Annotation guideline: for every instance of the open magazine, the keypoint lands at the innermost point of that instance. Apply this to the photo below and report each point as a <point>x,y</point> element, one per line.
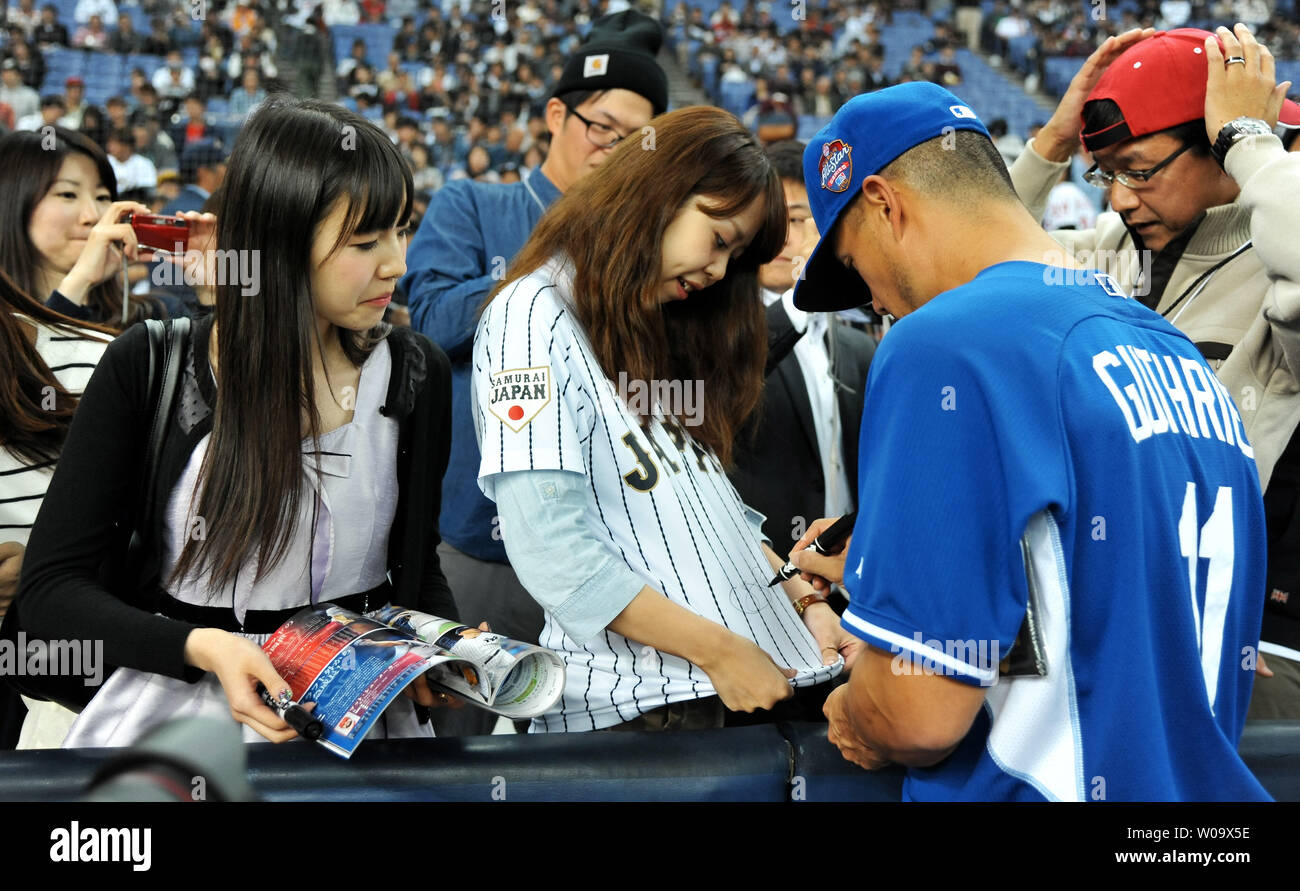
<point>353,665</point>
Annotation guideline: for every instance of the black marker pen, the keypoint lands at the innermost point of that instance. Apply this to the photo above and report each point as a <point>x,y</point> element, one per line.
<point>829,542</point>
<point>294,715</point>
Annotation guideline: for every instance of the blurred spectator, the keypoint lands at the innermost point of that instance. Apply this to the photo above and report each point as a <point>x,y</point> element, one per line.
<point>241,18</point>
<point>174,80</point>
<point>94,125</point>
<point>26,16</point>
<point>425,176</point>
<point>152,143</point>
<point>50,32</point>
<point>874,77</point>
<point>191,124</point>
<point>51,110</point>
<point>250,52</point>
<point>914,68</point>
<point>158,41</point>
<point>249,95</point>
<point>947,72</point>
<point>135,174</point>
<point>478,166</point>
<point>340,12</point>
<point>168,188</point>
<point>87,9</point>
<point>1069,207</point>
<point>92,35</point>
<point>211,78</point>
<point>1012,25</point>
<point>363,84</point>
<point>774,120</point>
<point>443,150</point>
<point>824,101</point>
<point>74,97</point>
<point>21,98</point>
<point>202,170</point>
<point>724,22</point>
<point>138,81</point>
<point>118,114</point>
<point>31,64</point>
<point>125,39</point>
<point>356,56</point>
<point>1008,144</point>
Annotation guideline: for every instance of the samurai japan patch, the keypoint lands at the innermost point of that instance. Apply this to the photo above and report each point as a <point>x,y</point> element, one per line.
<point>518,394</point>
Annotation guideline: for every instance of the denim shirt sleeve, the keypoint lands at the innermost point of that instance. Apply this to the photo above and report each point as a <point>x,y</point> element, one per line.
<point>557,557</point>
<point>450,272</point>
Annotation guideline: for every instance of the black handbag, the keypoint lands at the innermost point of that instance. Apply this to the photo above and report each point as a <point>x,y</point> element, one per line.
<point>125,566</point>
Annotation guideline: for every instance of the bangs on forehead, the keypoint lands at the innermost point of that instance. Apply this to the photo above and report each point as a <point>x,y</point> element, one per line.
<point>735,193</point>
<point>378,193</point>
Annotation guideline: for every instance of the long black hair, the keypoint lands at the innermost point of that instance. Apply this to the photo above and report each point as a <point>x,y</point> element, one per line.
<point>293,161</point>
<point>29,163</point>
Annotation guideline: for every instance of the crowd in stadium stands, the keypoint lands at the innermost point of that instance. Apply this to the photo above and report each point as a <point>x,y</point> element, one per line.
<point>461,90</point>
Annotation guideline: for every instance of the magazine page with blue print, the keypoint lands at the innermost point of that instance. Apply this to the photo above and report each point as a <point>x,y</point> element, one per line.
<point>351,666</point>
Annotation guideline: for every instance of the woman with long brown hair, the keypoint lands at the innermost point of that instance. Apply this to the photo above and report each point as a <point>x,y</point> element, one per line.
<point>612,370</point>
<point>45,362</point>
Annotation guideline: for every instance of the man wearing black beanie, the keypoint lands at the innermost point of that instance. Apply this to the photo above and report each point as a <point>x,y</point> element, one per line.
<point>608,91</point>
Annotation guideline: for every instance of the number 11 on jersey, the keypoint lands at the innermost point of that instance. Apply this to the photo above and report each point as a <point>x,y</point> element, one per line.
<point>1214,542</point>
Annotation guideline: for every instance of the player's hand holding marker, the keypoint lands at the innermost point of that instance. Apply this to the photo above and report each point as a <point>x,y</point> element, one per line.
<point>821,570</point>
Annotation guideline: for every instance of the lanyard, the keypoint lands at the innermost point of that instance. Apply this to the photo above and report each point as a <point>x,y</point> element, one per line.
<point>1195,288</point>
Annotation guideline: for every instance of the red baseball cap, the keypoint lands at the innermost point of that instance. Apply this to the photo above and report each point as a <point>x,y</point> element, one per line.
<point>1289,117</point>
<point>1157,83</point>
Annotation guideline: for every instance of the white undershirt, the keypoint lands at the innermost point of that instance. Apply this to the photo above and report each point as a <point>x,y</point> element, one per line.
<point>815,364</point>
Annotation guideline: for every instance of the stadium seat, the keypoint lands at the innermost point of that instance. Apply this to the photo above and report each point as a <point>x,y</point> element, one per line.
<point>736,97</point>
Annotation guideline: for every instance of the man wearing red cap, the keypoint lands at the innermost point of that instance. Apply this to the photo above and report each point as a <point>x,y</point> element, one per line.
<point>1202,230</point>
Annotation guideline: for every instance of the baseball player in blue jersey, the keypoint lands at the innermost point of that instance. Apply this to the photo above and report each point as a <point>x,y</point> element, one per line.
<point>1058,557</point>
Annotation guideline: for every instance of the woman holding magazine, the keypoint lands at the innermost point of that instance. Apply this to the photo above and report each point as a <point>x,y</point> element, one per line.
<point>304,453</point>
<point>615,508</point>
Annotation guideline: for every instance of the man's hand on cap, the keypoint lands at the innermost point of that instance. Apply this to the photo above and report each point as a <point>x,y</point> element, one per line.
<point>1059,138</point>
<point>1246,89</point>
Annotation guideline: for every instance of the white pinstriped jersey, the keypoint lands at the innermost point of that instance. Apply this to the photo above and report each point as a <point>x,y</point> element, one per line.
<point>656,498</point>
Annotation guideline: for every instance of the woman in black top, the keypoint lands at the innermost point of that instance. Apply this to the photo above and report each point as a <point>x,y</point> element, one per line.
<point>303,460</point>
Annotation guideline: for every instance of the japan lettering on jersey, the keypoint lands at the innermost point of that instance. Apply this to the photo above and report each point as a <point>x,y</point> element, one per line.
<point>657,499</point>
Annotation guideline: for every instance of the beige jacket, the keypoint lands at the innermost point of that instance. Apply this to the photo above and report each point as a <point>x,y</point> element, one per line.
<point>1251,303</point>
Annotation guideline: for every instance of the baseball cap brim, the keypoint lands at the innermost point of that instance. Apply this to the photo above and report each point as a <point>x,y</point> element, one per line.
<point>827,285</point>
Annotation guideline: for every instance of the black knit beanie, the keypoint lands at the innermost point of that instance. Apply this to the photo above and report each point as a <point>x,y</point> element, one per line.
<point>619,54</point>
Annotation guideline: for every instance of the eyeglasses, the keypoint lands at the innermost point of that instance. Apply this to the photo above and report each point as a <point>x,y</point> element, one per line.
<point>1129,179</point>
<point>598,134</point>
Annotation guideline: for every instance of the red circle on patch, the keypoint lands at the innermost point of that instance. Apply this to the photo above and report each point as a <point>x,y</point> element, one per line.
<point>515,413</point>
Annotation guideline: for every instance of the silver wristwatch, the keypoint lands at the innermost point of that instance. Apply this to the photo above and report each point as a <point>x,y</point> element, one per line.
<point>1234,131</point>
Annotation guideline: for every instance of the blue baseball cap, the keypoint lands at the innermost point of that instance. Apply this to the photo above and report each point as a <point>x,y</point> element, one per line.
<point>868,132</point>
